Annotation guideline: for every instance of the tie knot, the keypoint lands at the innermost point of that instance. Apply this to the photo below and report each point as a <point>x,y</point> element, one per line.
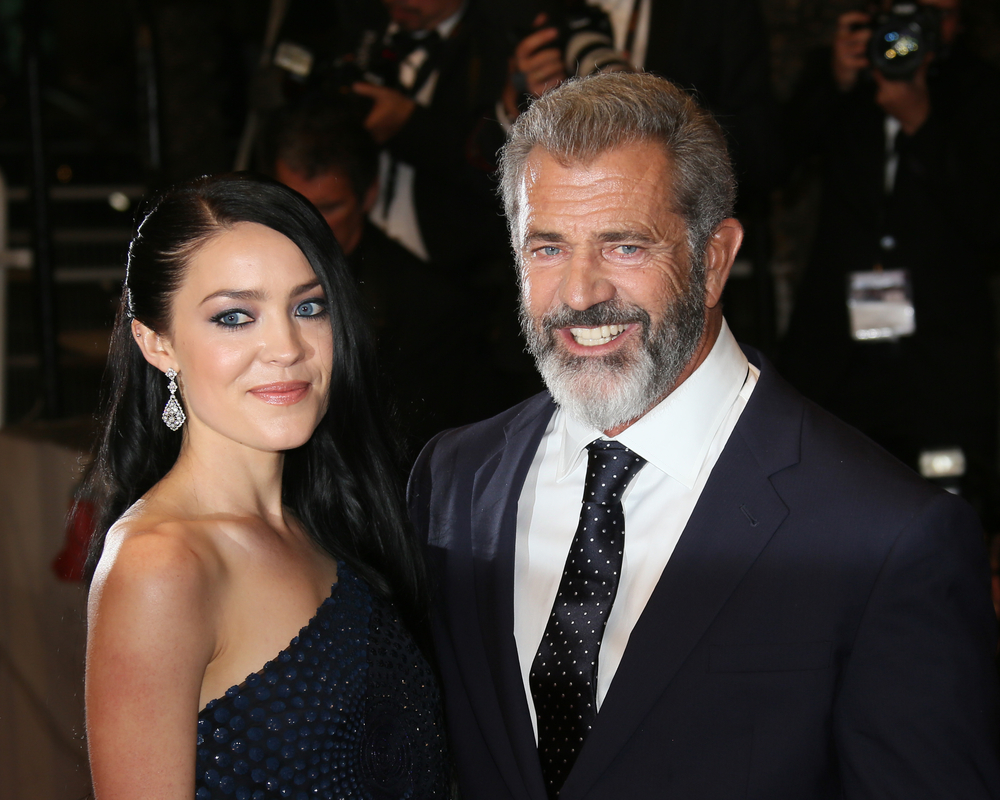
<point>610,466</point>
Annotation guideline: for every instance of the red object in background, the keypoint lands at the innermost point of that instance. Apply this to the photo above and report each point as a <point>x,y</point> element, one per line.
<point>68,565</point>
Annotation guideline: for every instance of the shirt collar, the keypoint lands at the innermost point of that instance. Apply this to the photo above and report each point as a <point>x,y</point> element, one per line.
<point>676,434</point>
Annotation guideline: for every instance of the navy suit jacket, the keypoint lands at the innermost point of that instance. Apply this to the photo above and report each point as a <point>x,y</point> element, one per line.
<point>823,628</point>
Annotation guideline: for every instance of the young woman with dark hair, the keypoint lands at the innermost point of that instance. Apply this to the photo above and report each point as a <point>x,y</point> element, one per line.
<point>242,470</point>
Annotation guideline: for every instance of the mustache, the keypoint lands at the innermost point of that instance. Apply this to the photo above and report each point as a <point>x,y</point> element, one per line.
<point>609,312</point>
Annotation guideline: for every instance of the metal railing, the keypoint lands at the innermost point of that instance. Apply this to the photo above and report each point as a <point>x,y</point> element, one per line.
<point>21,258</point>
<point>18,258</point>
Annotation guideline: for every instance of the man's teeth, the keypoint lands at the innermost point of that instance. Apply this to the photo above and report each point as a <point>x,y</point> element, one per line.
<point>591,337</point>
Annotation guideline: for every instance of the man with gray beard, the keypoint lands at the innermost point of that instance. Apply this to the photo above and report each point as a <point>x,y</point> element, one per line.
<point>790,613</point>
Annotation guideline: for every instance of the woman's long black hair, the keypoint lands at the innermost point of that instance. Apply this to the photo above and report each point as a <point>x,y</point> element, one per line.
<point>344,484</point>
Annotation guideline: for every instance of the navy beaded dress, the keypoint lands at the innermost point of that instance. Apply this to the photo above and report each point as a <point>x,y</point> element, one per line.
<point>350,709</point>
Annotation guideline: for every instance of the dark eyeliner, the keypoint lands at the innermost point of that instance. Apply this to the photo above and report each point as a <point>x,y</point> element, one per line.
<point>320,301</point>
<point>218,318</point>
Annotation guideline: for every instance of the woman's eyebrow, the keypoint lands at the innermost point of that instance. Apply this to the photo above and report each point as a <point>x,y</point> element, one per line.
<point>237,294</point>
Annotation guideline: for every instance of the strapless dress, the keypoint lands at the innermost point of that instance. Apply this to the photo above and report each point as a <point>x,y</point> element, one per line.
<point>349,709</point>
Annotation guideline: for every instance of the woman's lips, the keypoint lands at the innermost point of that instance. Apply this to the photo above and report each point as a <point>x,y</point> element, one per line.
<point>281,394</point>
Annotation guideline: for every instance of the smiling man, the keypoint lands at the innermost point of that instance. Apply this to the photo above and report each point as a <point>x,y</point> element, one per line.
<point>612,311</point>
<point>670,575</point>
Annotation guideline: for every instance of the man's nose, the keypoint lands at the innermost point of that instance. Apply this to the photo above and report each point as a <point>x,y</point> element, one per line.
<point>586,281</point>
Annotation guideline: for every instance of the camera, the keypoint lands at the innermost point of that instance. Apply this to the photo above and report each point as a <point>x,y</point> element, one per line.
<point>587,41</point>
<point>903,38</point>
<point>373,62</point>
<point>585,37</point>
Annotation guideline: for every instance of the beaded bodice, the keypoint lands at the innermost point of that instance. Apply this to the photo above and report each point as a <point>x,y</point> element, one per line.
<point>349,709</point>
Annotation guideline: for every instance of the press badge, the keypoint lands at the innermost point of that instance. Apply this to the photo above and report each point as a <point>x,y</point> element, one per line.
<point>880,305</point>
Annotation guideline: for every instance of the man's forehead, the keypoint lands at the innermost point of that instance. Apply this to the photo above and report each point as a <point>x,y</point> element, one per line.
<point>616,182</point>
<point>629,160</point>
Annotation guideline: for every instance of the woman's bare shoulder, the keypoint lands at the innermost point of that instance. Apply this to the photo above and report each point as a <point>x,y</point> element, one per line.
<point>159,573</point>
<point>158,552</point>
<point>153,631</point>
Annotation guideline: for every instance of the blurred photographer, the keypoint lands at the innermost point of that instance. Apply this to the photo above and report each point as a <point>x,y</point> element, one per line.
<point>569,38</point>
<point>902,93</point>
<point>892,326</point>
<point>716,49</point>
<point>423,75</point>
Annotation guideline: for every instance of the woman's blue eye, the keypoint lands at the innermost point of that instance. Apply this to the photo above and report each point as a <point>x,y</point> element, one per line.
<point>310,308</point>
<point>232,319</point>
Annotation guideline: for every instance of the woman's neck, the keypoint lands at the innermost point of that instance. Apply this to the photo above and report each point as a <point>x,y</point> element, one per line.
<point>214,475</point>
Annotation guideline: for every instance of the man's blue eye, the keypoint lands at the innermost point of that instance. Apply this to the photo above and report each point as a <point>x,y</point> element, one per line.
<point>628,249</point>
<point>550,250</point>
<point>310,308</point>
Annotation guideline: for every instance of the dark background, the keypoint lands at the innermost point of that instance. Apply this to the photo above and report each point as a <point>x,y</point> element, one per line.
<point>105,131</point>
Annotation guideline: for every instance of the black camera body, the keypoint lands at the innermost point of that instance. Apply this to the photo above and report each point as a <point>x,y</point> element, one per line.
<point>903,38</point>
<point>587,41</point>
<point>585,37</point>
<point>334,78</point>
<point>373,63</point>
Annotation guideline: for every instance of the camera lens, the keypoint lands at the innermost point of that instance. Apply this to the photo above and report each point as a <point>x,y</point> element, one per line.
<point>903,39</point>
<point>898,50</point>
<point>588,52</point>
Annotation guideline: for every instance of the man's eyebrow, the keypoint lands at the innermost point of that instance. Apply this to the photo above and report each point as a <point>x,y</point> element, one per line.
<point>256,294</point>
<point>543,236</point>
<point>643,237</point>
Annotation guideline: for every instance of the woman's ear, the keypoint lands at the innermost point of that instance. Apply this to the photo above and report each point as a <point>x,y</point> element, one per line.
<point>155,347</point>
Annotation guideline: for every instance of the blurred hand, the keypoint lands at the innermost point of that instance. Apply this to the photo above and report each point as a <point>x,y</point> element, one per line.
<point>535,66</point>
<point>908,101</point>
<point>850,44</point>
<point>390,113</point>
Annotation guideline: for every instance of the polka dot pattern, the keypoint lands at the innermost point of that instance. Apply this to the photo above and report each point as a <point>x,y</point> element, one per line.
<point>349,709</point>
<point>563,677</point>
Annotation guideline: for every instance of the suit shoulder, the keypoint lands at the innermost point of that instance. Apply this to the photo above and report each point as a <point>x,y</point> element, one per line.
<point>842,450</point>
<point>475,441</point>
<point>453,456</point>
<point>802,444</point>
<point>843,494</point>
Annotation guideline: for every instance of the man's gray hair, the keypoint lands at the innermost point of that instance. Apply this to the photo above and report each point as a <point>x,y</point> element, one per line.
<point>583,118</point>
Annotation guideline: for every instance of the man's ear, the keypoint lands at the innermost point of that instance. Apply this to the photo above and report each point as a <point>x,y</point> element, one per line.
<point>723,245</point>
<point>156,348</point>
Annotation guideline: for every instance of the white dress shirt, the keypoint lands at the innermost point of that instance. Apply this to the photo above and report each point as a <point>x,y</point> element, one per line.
<point>681,440</point>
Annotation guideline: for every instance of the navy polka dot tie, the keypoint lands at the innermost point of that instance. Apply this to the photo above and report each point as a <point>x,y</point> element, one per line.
<point>563,677</point>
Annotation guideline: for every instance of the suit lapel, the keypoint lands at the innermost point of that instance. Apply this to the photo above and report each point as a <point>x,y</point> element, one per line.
<point>496,489</point>
<point>734,519</point>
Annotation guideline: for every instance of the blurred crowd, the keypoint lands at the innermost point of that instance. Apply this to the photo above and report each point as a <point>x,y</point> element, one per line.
<point>433,85</point>
<point>387,115</point>
<point>863,136</point>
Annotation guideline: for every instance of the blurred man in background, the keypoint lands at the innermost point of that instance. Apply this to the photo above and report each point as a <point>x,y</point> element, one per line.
<point>892,327</point>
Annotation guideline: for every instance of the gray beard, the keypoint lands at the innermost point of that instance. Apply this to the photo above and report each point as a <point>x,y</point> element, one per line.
<point>605,392</point>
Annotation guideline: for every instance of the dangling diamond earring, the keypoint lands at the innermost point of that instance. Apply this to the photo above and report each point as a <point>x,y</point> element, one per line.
<point>173,415</point>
